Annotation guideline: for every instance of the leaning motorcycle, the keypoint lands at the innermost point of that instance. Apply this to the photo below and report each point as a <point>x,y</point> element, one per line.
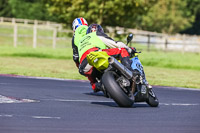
<point>117,81</point>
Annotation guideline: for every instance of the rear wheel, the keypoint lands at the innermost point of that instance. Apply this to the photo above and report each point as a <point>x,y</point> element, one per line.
<point>115,91</point>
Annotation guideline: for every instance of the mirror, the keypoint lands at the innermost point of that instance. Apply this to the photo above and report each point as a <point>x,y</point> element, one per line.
<point>129,38</point>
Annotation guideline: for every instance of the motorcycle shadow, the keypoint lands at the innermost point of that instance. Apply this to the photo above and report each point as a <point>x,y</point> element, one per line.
<point>112,103</point>
<point>95,94</point>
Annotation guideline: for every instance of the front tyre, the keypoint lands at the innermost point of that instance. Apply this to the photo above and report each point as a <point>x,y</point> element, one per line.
<point>152,99</point>
<point>115,91</point>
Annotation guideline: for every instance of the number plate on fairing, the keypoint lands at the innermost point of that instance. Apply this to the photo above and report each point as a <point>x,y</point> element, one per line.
<point>143,89</point>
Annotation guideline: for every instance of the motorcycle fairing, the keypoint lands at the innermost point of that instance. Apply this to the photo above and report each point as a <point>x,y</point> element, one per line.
<point>136,64</point>
<point>98,59</point>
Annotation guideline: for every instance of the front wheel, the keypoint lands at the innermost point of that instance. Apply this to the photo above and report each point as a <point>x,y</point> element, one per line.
<point>115,91</point>
<point>152,99</point>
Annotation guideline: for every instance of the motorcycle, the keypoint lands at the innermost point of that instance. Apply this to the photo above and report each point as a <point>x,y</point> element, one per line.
<point>117,81</point>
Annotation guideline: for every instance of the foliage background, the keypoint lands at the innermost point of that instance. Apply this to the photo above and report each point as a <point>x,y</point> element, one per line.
<point>166,16</point>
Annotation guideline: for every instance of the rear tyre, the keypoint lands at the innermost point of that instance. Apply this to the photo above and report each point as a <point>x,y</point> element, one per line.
<point>115,91</point>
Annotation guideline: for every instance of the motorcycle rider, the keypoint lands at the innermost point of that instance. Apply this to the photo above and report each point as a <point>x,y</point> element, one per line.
<point>96,40</point>
<point>76,23</point>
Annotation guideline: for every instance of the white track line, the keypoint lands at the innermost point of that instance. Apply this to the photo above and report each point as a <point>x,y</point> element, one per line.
<point>35,117</point>
<point>45,117</point>
<point>5,115</point>
<point>101,101</point>
<point>180,104</point>
<point>78,100</point>
<point>4,99</point>
<point>177,88</point>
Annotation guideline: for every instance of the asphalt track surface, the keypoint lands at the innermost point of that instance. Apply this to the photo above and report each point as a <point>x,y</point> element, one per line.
<point>29,105</point>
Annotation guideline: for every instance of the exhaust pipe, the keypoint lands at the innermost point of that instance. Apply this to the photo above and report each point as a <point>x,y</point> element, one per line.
<point>124,70</point>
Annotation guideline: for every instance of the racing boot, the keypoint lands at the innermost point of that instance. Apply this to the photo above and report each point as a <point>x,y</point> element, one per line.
<point>96,87</point>
<point>99,87</point>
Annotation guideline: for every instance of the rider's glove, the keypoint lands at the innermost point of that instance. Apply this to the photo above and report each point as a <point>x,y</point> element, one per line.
<point>131,51</point>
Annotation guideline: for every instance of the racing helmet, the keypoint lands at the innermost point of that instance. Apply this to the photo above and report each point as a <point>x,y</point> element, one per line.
<point>94,27</point>
<point>78,22</point>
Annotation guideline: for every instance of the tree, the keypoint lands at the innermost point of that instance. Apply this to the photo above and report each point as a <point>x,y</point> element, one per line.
<point>29,9</point>
<point>168,16</point>
<point>5,9</point>
<point>194,7</point>
<point>124,13</point>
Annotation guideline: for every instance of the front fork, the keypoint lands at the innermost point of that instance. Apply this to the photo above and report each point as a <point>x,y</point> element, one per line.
<point>141,95</point>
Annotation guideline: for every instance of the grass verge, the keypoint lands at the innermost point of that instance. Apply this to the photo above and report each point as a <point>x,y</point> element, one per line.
<point>167,69</point>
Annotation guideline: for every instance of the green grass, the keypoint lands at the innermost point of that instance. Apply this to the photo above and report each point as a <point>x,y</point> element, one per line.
<point>171,60</point>
<point>6,29</point>
<point>189,61</point>
<point>167,69</point>
<point>47,52</point>
<point>41,67</point>
<point>173,77</point>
